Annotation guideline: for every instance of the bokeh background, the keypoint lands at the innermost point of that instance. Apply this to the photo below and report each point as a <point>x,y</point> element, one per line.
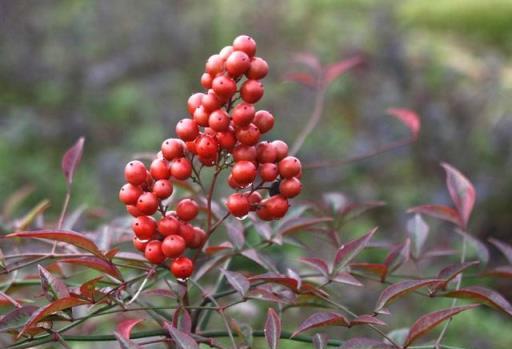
<point>119,73</point>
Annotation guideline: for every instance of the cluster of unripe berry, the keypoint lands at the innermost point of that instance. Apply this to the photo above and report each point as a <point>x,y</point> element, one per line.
<point>223,131</point>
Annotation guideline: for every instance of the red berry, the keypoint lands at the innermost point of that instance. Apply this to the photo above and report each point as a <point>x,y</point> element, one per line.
<point>224,86</point>
<point>211,102</point>
<point>169,225</point>
<point>232,183</point>
<point>181,168</point>
<point>244,152</point>
<point>225,52</point>
<point>147,203</point>
<point>281,149</point>
<point>268,172</point>
<point>277,205</point>
<point>258,69</point>
<point>208,161</point>
<point>199,238</point>
<point>206,146</point>
<point>187,209</point>
<point>238,204</point>
<point>135,172</point>
<point>289,167</point>
<point>182,267</point>
<point>251,91</point>
<point>191,147</point>
<point>243,114</point>
<point>206,80</point>
<point>246,44</point>
<point>249,135</point>
<point>144,227</point>
<point>254,198</point>
<point>214,65</point>
<point>134,211</point>
<point>219,120</point>
<point>265,152</point>
<point>187,129</point>
<point>263,120</point>
<point>173,246</point>
<point>194,101</point>
<point>201,116</point>
<point>187,233</point>
<point>237,63</point>
<point>129,194</point>
<point>162,188</point>
<point>290,188</point>
<point>153,252</point>
<point>139,244</point>
<point>263,211</point>
<point>243,172</point>
<point>226,139</point>
<point>159,169</point>
<point>172,148</point>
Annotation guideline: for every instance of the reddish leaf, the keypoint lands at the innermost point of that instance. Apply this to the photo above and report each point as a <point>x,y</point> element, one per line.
<point>438,211</point>
<point>239,282</point>
<point>317,263</point>
<point>483,295</point>
<point>294,275</point>
<point>235,230</point>
<point>346,278</point>
<point>276,278</point>
<point>462,192</point>
<point>504,271</point>
<point>365,343</point>
<point>71,159</point>
<point>400,289</point>
<point>321,319</point>
<point>182,340</point>
<point>88,288</point>
<point>16,318</point>
<point>367,320</point>
<point>95,263</point>
<point>68,236</point>
<point>333,71</point>
<point>210,250</point>
<point>181,320</point>
<point>53,287</point>
<point>266,295</point>
<point>124,328</point>
<point>374,268</point>
<point>350,250</point>
<point>429,321</point>
<point>10,300</point>
<point>408,118</point>
<point>450,272</point>
<point>504,248</point>
<point>58,305</point>
<point>112,253</point>
<point>272,328</point>
<point>398,256</point>
<point>418,233</point>
<point>300,224</point>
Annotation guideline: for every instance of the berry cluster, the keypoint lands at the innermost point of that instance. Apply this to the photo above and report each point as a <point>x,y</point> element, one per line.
<point>223,131</point>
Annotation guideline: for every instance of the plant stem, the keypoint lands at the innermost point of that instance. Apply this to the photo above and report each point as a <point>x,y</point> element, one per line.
<point>62,215</point>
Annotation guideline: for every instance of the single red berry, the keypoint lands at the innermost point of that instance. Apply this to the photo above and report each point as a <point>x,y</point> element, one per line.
<point>194,101</point>
<point>263,120</point>
<point>200,237</point>
<point>244,152</point>
<point>129,194</point>
<point>144,227</point>
<point>254,198</point>
<point>251,91</point>
<point>139,244</point>
<point>159,169</point>
<point>265,152</point>
<point>238,204</point>
<point>277,205</point>
<point>182,267</point>
<point>281,149</point>
<point>237,63</point>
<point>187,129</point>
<point>263,211</point>
<point>219,120</point>
<point>211,101</point>
<point>206,80</point>
<point>249,135</point>
<point>134,211</point>
<point>169,225</point>
<point>135,172</point>
<point>290,187</point>
<point>258,69</point>
<point>244,172</point>
<point>153,252</point>
<point>172,148</point>
<point>243,114</point>
<point>187,209</point>
<point>232,183</point>
<point>206,146</point>
<point>268,172</point>
<point>246,44</point>
<point>214,65</point>
<point>289,167</point>
<point>148,203</point>
<point>201,116</point>
<point>225,52</point>
<point>224,86</point>
<point>173,246</point>
<point>187,233</point>
<point>226,139</point>
<point>163,188</point>
<point>181,168</point>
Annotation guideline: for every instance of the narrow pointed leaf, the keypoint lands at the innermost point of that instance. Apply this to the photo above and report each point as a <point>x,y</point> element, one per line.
<point>182,340</point>
<point>95,263</point>
<point>483,295</point>
<point>182,320</point>
<point>276,278</point>
<point>350,250</point>
<point>239,282</point>
<point>429,321</point>
<point>401,289</point>
<point>504,248</point>
<point>124,328</point>
<point>450,272</point>
<point>374,268</point>
<point>53,287</point>
<point>398,256</point>
<point>438,211</point>
<point>317,263</point>
<point>409,118</point>
<point>333,71</point>
<point>88,288</point>
<point>343,277</point>
<point>68,236</point>
<point>71,159</point>
<point>461,190</point>
<point>367,320</point>
<point>322,319</point>
<point>16,318</point>
<point>272,329</point>
<point>211,250</point>
<point>418,232</point>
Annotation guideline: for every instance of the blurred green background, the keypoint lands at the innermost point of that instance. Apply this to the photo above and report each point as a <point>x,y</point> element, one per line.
<point>119,73</point>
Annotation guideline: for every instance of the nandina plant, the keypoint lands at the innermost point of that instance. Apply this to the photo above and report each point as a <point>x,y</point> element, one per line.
<point>200,257</point>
